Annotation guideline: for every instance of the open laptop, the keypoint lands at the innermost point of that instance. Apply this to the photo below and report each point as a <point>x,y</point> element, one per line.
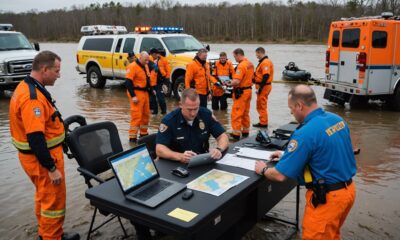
<point>139,179</point>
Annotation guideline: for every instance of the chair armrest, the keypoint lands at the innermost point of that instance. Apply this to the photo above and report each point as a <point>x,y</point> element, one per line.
<point>89,175</point>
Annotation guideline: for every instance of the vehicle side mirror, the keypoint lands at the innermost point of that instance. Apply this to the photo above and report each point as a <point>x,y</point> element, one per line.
<point>206,46</point>
<point>36,46</point>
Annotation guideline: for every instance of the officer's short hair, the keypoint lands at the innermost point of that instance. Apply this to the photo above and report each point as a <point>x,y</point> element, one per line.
<point>223,54</point>
<point>260,50</point>
<point>238,51</point>
<point>44,58</point>
<point>304,94</point>
<point>189,93</point>
<point>131,54</point>
<point>202,50</point>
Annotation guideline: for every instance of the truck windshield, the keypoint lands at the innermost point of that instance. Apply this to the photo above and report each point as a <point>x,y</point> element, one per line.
<point>13,41</point>
<point>182,44</point>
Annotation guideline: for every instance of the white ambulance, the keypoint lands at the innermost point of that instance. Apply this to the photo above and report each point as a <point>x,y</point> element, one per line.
<point>363,60</point>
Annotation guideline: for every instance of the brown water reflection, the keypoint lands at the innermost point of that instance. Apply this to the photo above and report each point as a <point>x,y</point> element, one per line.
<point>375,130</point>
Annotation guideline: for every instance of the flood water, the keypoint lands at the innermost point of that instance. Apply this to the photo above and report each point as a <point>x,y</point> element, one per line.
<point>376,130</point>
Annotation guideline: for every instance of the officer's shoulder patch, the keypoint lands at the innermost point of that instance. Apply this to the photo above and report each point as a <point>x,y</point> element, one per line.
<point>238,72</point>
<point>163,127</point>
<point>37,112</point>
<point>266,68</point>
<point>292,146</point>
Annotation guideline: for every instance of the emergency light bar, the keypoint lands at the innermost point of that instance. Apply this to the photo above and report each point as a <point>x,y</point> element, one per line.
<point>103,29</point>
<point>158,29</point>
<point>6,26</point>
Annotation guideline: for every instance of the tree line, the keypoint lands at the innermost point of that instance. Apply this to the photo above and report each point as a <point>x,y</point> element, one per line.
<point>294,21</point>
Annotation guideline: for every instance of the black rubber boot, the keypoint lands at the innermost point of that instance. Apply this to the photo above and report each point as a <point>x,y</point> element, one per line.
<point>70,236</point>
<point>259,125</point>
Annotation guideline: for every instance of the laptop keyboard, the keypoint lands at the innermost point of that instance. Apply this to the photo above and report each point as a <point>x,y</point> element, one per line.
<point>152,190</point>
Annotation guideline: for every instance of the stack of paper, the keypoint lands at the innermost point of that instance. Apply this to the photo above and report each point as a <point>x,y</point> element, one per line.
<point>235,161</point>
<point>254,153</point>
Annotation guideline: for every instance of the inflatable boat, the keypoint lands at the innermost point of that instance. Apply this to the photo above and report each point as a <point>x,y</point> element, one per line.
<point>293,73</point>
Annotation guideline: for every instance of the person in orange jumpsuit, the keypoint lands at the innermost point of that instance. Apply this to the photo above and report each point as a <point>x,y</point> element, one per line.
<point>263,77</point>
<point>223,71</point>
<point>159,77</point>
<point>242,83</point>
<point>138,89</point>
<point>37,131</point>
<point>198,76</point>
<point>320,156</point>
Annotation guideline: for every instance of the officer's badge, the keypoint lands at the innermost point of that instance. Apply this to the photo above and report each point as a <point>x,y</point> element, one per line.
<point>292,146</point>
<point>37,112</point>
<point>202,125</point>
<point>163,127</point>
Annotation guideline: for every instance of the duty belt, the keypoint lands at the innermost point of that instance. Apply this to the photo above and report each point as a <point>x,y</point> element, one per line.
<point>140,88</point>
<point>245,88</point>
<point>335,186</point>
<point>258,83</point>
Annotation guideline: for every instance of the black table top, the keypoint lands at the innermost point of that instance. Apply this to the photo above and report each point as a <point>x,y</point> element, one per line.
<point>109,196</point>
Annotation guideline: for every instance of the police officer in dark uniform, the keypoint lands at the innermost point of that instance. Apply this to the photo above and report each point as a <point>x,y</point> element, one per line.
<point>319,156</point>
<point>185,132</point>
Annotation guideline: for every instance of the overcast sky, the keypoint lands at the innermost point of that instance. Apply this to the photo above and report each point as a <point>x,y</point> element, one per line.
<point>45,5</point>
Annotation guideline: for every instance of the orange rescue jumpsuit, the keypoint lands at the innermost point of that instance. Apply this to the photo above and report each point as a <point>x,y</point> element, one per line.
<point>240,115</point>
<point>225,69</point>
<point>265,66</point>
<point>164,69</point>
<point>156,77</point>
<point>324,222</point>
<point>198,77</point>
<point>140,111</point>
<point>34,114</point>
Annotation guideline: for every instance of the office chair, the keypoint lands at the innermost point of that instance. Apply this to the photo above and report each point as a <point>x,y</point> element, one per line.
<point>150,141</point>
<point>91,145</point>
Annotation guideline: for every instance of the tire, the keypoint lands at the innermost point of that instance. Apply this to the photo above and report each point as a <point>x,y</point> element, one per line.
<point>395,100</point>
<point>179,86</point>
<point>358,101</point>
<point>94,77</point>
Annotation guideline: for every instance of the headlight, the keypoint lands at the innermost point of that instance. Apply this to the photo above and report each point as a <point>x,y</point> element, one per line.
<point>2,68</point>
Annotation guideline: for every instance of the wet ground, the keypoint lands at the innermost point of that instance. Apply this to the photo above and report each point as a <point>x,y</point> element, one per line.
<point>376,130</point>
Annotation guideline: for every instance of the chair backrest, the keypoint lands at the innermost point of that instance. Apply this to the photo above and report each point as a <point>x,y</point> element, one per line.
<point>150,141</point>
<point>92,144</point>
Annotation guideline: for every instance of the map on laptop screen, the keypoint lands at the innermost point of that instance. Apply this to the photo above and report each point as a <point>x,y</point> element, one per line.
<point>134,168</point>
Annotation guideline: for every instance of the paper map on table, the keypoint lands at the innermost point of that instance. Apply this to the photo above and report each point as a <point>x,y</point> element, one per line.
<point>216,182</point>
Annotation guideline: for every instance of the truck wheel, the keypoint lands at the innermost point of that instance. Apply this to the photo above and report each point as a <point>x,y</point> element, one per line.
<point>395,100</point>
<point>94,77</point>
<point>179,86</point>
<point>358,101</point>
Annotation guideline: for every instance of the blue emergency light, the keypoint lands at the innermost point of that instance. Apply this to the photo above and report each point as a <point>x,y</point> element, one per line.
<point>167,29</point>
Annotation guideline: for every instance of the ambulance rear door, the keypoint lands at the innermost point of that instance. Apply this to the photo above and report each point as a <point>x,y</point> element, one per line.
<point>396,57</point>
<point>333,53</point>
<point>380,59</point>
<point>350,45</point>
